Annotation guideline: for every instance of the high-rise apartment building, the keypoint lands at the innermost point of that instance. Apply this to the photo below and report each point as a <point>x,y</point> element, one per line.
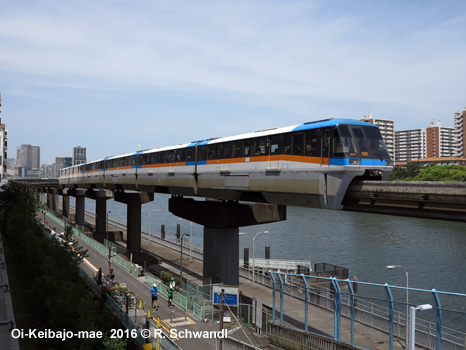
<point>28,156</point>
<point>410,145</point>
<point>439,140</point>
<point>60,163</point>
<point>432,142</point>
<point>79,155</point>
<point>459,135</point>
<point>387,129</point>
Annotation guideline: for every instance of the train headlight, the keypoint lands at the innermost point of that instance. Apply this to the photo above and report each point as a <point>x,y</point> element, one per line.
<point>354,162</point>
<point>389,162</point>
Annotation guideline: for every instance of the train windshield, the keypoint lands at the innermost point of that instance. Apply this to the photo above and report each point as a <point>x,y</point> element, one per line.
<point>375,142</point>
<point>358,141</point>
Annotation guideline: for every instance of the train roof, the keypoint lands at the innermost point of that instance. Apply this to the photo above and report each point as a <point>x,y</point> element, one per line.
<point>300,127</point>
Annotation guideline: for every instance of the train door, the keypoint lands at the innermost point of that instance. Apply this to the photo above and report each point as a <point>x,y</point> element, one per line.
<point>324,146</point>
<point>274,143</point>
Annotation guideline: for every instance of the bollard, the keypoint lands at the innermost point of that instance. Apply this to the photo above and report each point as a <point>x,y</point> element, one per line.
<point>162,231</point>
<point>246,258</point>
<point>267,252</point>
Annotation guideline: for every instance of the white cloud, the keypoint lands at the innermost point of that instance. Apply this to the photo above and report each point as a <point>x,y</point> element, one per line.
<point>293,59</point>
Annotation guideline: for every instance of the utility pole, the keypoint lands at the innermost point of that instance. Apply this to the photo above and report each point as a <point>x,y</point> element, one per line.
<point>222,295</point>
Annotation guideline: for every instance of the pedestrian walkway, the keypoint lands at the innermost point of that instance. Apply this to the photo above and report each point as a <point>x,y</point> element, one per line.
<point>320,320</point>
<point>7,316</point>
<point>175,317</point>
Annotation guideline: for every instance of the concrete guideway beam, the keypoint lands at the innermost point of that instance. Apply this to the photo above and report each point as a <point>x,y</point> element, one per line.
<point>134,201</point>
<point>219,215</point>
<point>221,221</point>
<point>101,198</point>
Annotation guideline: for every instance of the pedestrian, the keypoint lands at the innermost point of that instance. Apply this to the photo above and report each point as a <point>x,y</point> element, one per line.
<point>172,283</point>
<point>153,293</point>
<point>170,291</point>
<point>170,297</point>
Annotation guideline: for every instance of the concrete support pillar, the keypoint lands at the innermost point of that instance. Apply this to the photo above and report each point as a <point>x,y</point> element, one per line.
<point>52,200</point>
<point>134,203</point>
<point>100,219</point>
<point>65,205</point>
<point>221,221</point>
<point>221,259</point>
<point>80,209</point>
<point>101,197</point>
<point>80,196</point>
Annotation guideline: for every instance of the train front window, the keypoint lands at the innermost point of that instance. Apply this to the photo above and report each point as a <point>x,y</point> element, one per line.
<point>360,141</point>
<point>343,145</point>
<point>375,142</point>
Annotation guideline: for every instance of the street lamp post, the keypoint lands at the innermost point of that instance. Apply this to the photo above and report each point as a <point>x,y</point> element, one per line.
<point>190,239</point>
<point>412,323</point>
<point>253,261</point>
<point>391,267</point>
<point>150,212</point>
<point>181,256</point>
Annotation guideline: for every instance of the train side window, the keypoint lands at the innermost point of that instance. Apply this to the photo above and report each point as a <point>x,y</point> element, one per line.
<point>157,158</point>
<point>202,153</point>
<point>247,147</point>
<point>260,146</point>
<point>212,152</point>
<point>219,154</point>
<point>287,143</point>
<point>227,150</point>
<point>176,155</point>
<point>311,145</point>
<point>237,149</point>
<point>182,155</point>
<point>325,142</point>
<point>189,154</point>
<point>275,144</point>
<point>298,143</point>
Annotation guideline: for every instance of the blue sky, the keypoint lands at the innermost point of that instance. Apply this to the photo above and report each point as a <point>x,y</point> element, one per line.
<point>112,75</point>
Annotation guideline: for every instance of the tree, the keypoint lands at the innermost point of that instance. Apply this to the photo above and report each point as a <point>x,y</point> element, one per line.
<point>442,173</point>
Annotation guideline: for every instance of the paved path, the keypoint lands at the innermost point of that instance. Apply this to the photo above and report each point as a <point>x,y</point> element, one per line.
<point>320,320</point>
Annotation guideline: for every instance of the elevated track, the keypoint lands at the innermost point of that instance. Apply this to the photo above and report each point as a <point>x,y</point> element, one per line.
<point>427,199</point>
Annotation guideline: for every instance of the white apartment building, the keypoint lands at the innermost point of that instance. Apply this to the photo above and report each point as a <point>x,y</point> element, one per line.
<point>459,134</point>
<point>410,145</point>
<point>432,142</point>
<point>387,129</point>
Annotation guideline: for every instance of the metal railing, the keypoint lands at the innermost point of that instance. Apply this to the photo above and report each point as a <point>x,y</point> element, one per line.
<point>291,338</point>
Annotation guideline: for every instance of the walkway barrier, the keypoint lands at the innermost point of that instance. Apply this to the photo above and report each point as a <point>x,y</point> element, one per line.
<point>102,249</point>
<point>291,338</point>
<point>344,302</point>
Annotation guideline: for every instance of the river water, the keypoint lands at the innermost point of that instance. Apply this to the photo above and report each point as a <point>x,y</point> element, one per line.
<point>432,251</point>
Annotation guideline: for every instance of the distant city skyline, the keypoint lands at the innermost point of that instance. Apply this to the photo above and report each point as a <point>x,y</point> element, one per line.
<point>116,76</point>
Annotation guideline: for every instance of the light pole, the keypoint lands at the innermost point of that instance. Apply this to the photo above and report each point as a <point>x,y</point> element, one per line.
<point>181,256</point>
<point>391,267</point>
<point>108,212</point>
<point>150,212</point>
<point>412,323</point>
<point>190,239</point>
<point>253,240</point>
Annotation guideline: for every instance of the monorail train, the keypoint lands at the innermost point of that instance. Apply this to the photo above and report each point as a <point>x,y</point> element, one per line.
<point>310,165</point>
